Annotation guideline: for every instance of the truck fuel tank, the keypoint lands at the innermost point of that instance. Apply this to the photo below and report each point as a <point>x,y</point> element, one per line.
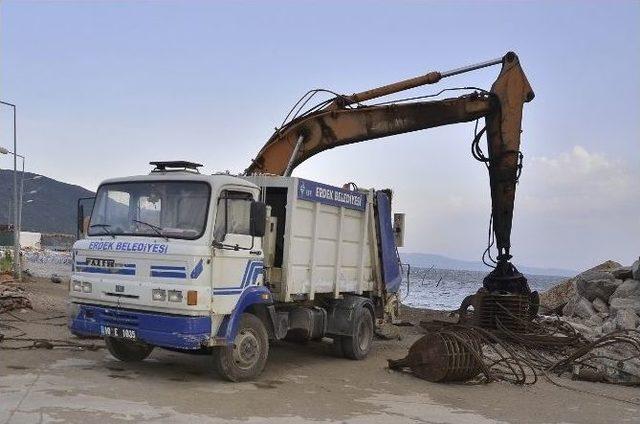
<point>306,323</point>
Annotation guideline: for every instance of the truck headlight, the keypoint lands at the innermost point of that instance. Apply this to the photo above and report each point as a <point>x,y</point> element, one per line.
<point>76,285</point>
<point>86,287</point>
<point>159,295</point>
<point>175,296</point>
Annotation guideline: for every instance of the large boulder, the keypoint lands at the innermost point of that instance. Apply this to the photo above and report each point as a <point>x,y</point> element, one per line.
<point>580,307</point>
<point>582,328</point>
<point>626,319</point>
<point>600,306</point>
<point>619,303</point>
<point>595,274</point>
<point>622,273</point>
<point>556,298</point>
<point>630,288</point>
<point>594,321</point>
<point>553,300</point>
<point>635,270</point>
<point>597,281</point>
<point>605,266</point>
<point>601,288</point>
<point>609,326</point>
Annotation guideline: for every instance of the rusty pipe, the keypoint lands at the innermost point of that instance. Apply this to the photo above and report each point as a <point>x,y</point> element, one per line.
<point>430,78</point>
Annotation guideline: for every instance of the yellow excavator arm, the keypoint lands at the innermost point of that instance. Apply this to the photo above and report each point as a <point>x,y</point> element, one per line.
<point>345,120</point>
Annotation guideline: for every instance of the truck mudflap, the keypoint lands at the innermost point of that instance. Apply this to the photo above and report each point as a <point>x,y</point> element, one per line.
<point>164,330</point>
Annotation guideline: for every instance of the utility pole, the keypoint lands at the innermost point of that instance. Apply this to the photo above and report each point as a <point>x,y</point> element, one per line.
<point>17,268</point>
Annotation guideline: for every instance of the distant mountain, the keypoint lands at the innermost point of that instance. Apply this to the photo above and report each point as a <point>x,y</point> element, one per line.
<point>426,260</point>
<point>53,204</point>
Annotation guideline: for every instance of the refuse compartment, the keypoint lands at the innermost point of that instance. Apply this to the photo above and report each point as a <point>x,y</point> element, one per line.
<point>323,239</point>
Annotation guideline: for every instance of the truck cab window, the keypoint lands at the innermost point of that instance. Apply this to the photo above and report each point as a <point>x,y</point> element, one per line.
<point>113,208</point>
<point>233,214</point>
<point>172,209</point>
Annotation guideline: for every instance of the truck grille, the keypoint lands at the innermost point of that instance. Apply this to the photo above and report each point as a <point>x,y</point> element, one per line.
<point>119,318</point>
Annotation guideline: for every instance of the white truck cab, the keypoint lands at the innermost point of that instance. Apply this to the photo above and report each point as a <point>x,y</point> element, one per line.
<point>190,262</point>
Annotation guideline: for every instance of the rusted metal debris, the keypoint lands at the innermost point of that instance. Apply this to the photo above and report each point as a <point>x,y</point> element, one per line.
<point>501,340</point>
<point>443,356</point>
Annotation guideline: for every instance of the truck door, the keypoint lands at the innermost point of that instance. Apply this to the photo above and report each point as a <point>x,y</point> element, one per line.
<point>237,256</point>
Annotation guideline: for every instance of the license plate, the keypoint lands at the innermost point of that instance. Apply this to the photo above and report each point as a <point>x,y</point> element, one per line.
<point>117,332</point>
<point>103,263</point>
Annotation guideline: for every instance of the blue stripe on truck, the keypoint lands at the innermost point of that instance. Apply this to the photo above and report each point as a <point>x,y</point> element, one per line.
<point>168,274</point>
<point>168,268</point>
<point>99,270</point>
<point>164,271</point>
<point>197,270</point>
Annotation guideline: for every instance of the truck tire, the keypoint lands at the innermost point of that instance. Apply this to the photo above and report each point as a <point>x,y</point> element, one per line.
<point>359,345</point>
<point>128,351</point>
<point>246,357</point>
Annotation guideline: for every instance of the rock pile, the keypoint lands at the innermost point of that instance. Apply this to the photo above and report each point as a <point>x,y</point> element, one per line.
<point>11,296</point>
<point>598,301</point>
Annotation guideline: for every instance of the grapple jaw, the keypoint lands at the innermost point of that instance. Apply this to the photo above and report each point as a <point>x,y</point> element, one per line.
<point>506,278</point>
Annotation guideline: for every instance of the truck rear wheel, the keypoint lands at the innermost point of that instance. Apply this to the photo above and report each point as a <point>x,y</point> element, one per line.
<point>128,351</point>
<point>359,345</point>
<point>246,357</point>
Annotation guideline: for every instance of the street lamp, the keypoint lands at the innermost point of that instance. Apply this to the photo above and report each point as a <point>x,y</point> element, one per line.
<point>17,270</point>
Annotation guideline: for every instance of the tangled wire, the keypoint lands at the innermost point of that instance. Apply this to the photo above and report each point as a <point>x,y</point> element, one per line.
<point>466,352</point>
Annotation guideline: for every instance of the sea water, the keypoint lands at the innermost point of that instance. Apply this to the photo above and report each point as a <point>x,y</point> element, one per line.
<point>444,289</point>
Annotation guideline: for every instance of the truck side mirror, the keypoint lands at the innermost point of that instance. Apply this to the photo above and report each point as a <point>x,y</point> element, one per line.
<point>258,218</point>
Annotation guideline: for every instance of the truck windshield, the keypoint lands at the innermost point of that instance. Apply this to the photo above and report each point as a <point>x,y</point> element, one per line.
<point>172,209</point>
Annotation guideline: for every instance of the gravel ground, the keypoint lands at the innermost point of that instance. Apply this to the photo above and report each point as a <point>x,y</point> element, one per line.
<point>301,384</point>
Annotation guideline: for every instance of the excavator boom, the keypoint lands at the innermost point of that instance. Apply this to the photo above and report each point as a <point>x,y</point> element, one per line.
<point>327,129</point>
<point>338,123</point>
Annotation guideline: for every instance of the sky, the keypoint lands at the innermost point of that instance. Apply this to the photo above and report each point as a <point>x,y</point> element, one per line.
<point>103,88</point>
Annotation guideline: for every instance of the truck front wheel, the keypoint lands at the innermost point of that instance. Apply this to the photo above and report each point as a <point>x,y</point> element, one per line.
<point>127,351</point>
<point>246,357</point>
<point>359,345</point>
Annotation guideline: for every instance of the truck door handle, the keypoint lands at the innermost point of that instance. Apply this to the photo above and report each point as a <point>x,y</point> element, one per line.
<point>255,252</point>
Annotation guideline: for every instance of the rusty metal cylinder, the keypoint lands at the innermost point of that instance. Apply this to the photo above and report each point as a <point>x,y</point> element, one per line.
<point>448,355</point>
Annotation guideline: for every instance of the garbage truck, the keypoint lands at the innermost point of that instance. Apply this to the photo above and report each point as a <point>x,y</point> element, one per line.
<point>226,264</point>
